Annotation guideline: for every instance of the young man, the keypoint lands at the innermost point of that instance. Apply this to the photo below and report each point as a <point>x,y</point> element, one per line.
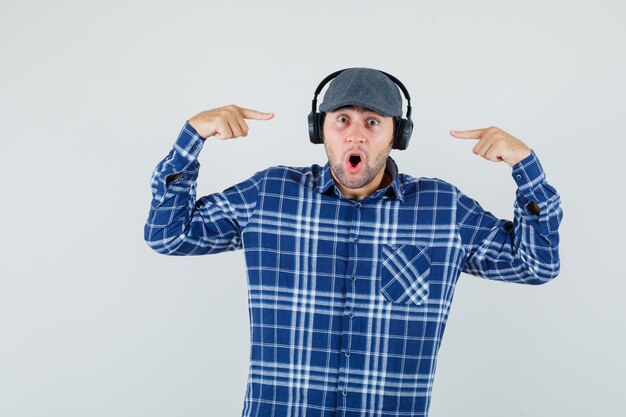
<point>351,265</point>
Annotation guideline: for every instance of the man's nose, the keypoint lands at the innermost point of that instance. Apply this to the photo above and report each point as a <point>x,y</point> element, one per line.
<point>356,133</point>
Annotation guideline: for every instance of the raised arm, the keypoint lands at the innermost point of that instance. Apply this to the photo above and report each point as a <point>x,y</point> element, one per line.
<point>177,224</point>
<point>525,250</point>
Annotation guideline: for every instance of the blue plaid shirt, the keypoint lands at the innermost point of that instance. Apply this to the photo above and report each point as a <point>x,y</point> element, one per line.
<point>348,300</point>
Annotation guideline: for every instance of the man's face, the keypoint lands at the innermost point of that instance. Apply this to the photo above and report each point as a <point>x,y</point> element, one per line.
<point>357,143</point>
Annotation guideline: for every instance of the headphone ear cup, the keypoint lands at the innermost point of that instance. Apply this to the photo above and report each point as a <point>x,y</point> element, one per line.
<point>313,128</point>
<point>319,119</point>
<point>403,134</point>
<point>316,129</point>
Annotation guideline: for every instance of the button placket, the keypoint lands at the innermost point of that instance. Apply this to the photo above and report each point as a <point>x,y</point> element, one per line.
<point>351,289</point>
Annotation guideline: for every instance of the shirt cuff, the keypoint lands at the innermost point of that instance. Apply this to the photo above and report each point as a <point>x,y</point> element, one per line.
<point>528,174</point>
<point>187,147</point>
<point>189,142</point>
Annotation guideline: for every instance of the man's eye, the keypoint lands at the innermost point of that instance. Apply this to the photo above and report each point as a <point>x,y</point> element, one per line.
<point>373,122</point>
<point>342,119</point>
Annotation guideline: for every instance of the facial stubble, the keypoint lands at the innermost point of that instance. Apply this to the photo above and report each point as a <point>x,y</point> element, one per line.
<point>368,173</point>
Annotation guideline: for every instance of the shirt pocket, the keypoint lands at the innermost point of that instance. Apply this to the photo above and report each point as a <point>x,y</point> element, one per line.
<point>404,273</point>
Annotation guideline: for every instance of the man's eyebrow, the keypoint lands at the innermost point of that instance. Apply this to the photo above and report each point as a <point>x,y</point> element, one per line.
<point>365,111</point>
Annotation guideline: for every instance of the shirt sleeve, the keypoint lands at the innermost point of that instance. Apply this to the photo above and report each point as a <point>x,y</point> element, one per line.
<point>177,224</point>
<point>525,250</point>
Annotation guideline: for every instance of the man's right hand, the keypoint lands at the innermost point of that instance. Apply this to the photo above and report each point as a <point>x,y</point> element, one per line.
<point>226,122</point>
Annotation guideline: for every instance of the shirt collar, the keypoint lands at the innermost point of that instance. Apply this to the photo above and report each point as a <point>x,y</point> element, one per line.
<point>326,182</point>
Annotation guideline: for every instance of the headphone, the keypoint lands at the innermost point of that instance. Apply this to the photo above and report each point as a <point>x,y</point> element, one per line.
<point>404,127</point>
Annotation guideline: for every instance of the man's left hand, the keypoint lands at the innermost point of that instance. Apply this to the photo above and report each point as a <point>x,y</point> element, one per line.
<point>495,144</point>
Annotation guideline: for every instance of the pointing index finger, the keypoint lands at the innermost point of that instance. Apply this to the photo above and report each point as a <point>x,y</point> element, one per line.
<point>468,134</point>
<point>256,115</point>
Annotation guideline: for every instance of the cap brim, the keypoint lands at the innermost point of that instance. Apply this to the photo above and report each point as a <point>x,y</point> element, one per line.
<point>347,103</point>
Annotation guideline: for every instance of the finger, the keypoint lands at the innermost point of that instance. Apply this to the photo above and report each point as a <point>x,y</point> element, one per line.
<point>483,150</point>
<point>482,145</point>
<point>223,132</point>
<point>494,153</point>
<point>255,115</point>
<point>468,134</point>
<point>234,127</point>
<point>243,126</point>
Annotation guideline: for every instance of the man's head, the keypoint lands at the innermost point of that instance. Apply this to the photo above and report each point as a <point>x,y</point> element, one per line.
<point>360,108</point>
<point>357,141</point>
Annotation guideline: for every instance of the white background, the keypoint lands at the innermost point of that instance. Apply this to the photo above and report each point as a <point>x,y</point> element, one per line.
<point>93,94</point>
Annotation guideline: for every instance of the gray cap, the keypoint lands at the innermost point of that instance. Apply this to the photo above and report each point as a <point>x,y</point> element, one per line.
<point>364,87</point>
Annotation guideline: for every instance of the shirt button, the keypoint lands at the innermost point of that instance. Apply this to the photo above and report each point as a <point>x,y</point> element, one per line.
<point>347,354</point>
<point>357,204</point>
<point>518,176</point>
<point>344,392</point>
<point>350,315</point>
<point>356,240</point>
<point>194,147</point>
<point>353,277</point>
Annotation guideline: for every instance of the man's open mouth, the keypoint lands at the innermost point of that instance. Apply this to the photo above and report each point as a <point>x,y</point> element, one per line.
<point>354,162</point>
